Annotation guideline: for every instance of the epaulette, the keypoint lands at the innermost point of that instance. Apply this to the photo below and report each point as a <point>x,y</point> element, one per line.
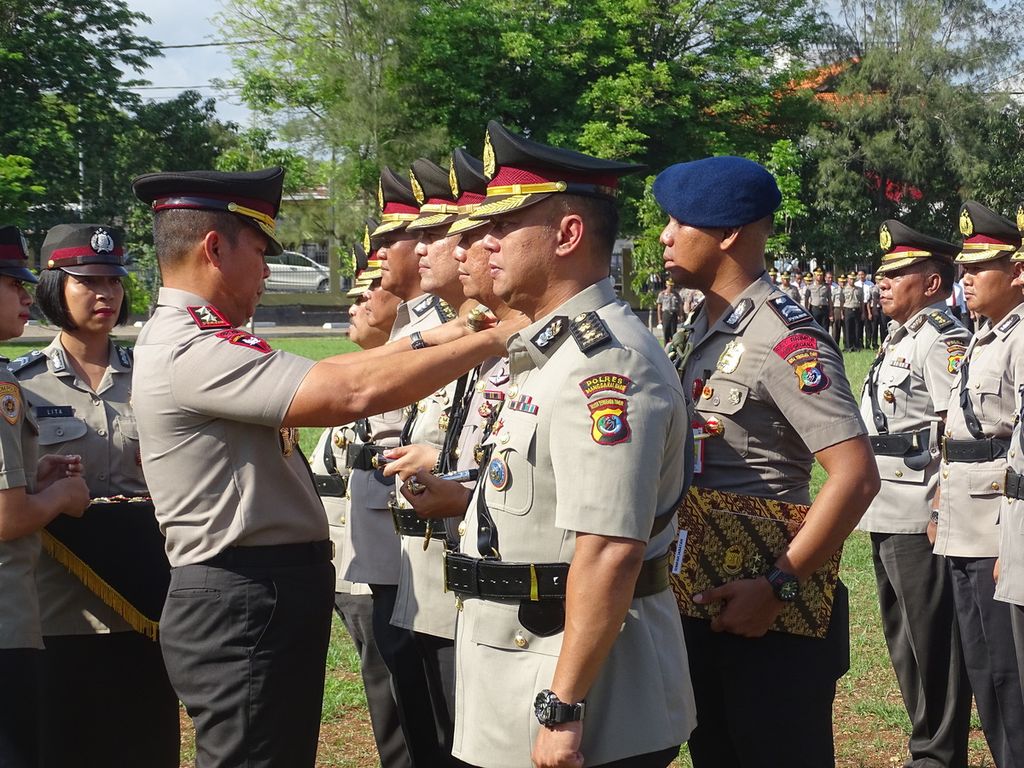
<point>589,330</point>
<point>25,361</point>
<point>125,354</point>
<point>791,313</point>
<point>207,316</point>
<point>445,311</point>
<point>940,320</point>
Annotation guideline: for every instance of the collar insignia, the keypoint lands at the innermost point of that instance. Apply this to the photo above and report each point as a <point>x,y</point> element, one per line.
<point>207,317</point>
<point>550,332</point>
<point>124,355</point>
<point>741,311</point>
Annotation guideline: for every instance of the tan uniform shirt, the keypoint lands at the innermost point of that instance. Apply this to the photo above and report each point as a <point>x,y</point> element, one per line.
<point>774,381</point>
<point>818,295</point>
<point>837,297</point>
<point>919,363</point>
<point>100,427</point>
<point>209,401</point>
<point>853,297</point>
<point>596,442</point>
<point>971,493</point>
<point>421,603</point>
<point>1010,587</point>
<point>793,292</point>
<point>19,606</point>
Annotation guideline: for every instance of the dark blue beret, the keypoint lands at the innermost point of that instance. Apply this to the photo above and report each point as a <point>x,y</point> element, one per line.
<point>720,191</point>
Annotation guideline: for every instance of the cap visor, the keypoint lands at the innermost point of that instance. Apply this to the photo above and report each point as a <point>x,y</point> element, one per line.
<point>434,220</point>
<point>388,226</point>
<point>975,257</point>
<point>502,204</point>
<point>19,273</point>
<point>465,224</point>
<point>95,270</point>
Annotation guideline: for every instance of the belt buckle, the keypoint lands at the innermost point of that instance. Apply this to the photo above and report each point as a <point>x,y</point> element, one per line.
<point>393,508</point>
<point>943,442</point>
<point>444,569</point>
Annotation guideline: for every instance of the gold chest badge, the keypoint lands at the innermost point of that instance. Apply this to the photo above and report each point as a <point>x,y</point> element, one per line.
<point>729,360</point>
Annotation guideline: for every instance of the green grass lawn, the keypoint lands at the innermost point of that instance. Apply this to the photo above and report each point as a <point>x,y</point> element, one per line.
<point>870,722</point>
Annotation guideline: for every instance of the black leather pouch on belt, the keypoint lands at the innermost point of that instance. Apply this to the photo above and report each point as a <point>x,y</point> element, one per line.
<point>330,485</point>
<point>360,455</point>
<point>1013,486</point>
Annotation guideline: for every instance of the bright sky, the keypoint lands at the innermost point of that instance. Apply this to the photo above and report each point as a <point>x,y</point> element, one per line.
<point>182,22</point>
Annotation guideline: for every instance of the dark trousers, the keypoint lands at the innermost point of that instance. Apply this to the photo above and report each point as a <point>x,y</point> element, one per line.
<point>820,315</point>
<point>990,658</point>
<point>19,707</point>
<point>1017,624</point>
<point>837,326</point>
<point>669,323</point>
<point>246,651</point>
<point>106,699</point>
<point>423,708</point>
<point>915,595</point>
<point>357,613</point>
<point>659,759</point>
<point>850,329</point>
<point>747,689</point>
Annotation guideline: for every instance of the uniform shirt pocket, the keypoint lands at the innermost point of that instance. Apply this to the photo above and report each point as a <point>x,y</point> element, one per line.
<point>497,625</point>
<point>985,481</point>
<point>131,455</point>
<point>63,429</point>
<point>986,393</point>
<point>509,481</point>
<point>893,392</point>
<point>727,399</point>
<point>892,469</point>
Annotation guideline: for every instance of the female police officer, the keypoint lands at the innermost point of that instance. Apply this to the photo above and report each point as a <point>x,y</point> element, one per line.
<point>30,497</point>
<point>105,690</point>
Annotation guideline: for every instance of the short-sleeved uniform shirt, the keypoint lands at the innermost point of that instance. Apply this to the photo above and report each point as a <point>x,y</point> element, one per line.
<point>793,292</point>
<point>818,295</point>
<point>670,302</point>
<point>919,361</point>
<point>773,380</point>
<point>1010,587</point>
<point>209,401</point>
<point>100,427</point>
<point>971,493</point>
<point>422,604</point>
<point>853,297</point>
<point>593,440</point>
<point>19,605</point>
<point>484,407</point>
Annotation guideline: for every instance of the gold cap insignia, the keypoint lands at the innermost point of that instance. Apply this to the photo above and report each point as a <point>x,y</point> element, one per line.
<point>417,190</point>
<point>966,225</point>
<point>453,180</point>
<point>380,195</point>
<point>885,238</point>
<point>1020,218</point>
<point>366,239</point>
<point>490,164</point>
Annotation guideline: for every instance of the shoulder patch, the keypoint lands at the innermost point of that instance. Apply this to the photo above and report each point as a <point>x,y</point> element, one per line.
<point>589,330</point>
<point>10,402</point>
<point>1007,325</point>
<point>243,339</point>
<point>609,424</point>
<point>940,320</point>
<point>918,322</point>
<point>742,310</point>
<point>207,316</point>
<point>125,355</point>
<point>550,332</point>
<point>423,306</point>
<point>25,361</point>
<point>605,382</point>
<point>791,313</point>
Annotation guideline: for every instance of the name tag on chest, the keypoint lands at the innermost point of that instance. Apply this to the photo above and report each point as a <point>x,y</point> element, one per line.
<point>54,411</point>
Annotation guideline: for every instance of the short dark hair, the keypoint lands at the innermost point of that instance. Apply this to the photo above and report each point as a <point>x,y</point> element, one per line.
<point>601,216</point>
<point>946,270</point>
<point>50,298</point>
<point>177,230</point>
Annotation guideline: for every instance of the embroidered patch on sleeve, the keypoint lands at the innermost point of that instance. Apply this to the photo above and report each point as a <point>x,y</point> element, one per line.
<point>10,402</point>
<point>242,339</point>
<point>811,377</point>
<point>955,351</point>
<point>605,382</point>
<point>609,423</point>
<point>801,352</point>
<point>794,343</point>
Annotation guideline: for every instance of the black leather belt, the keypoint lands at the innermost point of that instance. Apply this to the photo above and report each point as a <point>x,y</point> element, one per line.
<point>1013,487</point>
<point>495,579</point>
<point>900,443</point>
<point>274,555</point>
<point>330,485</point>
<point>408,523</point>
<point>969,451</point>
<point>361,455</point>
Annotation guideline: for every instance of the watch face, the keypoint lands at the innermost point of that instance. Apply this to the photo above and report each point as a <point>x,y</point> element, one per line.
<point>789,591</point>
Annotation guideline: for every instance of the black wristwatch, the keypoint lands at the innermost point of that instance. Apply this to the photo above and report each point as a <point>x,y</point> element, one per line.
<point>417,341</point>
<point>551,711</point>
<point>786,586</point>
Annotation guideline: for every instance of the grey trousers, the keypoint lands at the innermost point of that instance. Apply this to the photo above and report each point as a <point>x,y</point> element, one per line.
<point>357,613</point>
<point>915,595</point>
<point>990,658</point>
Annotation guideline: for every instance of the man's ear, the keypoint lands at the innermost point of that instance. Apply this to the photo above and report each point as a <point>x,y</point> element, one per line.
<point>570,234</point>
<point>212,248</point>
<point>729,237</point>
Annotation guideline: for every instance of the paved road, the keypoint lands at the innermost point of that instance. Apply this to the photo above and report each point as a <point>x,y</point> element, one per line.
<point>42,334</point>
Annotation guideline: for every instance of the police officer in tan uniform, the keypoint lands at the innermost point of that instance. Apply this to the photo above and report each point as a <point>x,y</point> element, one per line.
<point>1010,567</point>
<point>568,648</point>
<point>105,687</point>
<point>903,402</point>
<point>819,299</point>
<point>853,306</point>
<point>31,495</point>
<point>789,289</point>
<point>245,628</point>
<point>979,420</point>
<point>771,395</point>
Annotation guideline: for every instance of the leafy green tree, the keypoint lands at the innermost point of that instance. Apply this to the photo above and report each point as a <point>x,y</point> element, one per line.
<point>17,192</point>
